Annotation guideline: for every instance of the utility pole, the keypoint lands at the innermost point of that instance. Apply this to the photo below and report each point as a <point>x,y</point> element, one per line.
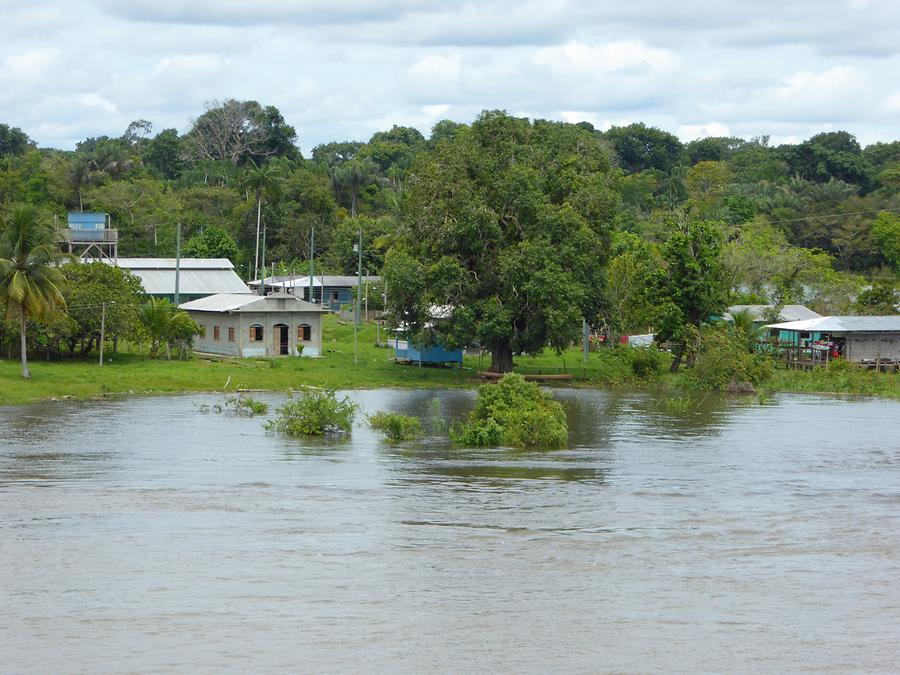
<point>262,278</point>
<point>586,345</point>
<point>177,261</point>
<point>102,332</point>
<point>358,300</point>
<point>367,297</point>
<point>312,255</point>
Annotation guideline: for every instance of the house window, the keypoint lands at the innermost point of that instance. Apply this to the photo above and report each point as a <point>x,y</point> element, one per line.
<point>215,332</point>
<point>304,332</point>
<point>231,333</point>
<point>256,333</point>
<point>335,296</point>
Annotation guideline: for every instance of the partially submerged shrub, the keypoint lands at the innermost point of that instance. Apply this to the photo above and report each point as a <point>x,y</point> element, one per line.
<point>246,406</point>
<point>514,413</point>
<point>313,413</point>
<point>395,426</point>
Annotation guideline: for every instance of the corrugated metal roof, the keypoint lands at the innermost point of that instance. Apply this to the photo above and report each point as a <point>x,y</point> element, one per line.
<point>843,324</point>
<point>242,302</point>
<point>788,312</point>
<point>303,282</point>
<point>169,264</point>
<point>205,281</point>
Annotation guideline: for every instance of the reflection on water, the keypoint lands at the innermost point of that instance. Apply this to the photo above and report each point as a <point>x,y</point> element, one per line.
<point>728,537</point>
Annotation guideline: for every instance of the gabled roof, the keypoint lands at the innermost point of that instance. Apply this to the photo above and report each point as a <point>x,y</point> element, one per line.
<point>197,276</point>
<point>788,312</point>
<point>247,302</point>
<point>843,324</point>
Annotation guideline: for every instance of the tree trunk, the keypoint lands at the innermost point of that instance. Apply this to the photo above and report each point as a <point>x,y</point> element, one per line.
<point>353,204</point>
<point>24,345</point>
<point>501,360</point>
<point>679,354</point>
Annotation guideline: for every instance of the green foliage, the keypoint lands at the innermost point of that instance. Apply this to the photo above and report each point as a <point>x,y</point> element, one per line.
<point>313,413</point>
<point>88,287</point>
<point>213,242</point>
<point>513,413</point>
<point>396,427</point>
<point>646,362</point>
<point>509,223</point>
<point>880,299</point>
<point>640,147</point>
<point>724,363</point>
<point>168,326</point>
<point>886,235</point>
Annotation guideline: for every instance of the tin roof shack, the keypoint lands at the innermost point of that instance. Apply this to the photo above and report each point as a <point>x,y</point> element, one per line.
<point>197,277</point>
<point>247,325</point>
<point>90,235</point>
<point>436,354</point>
<point>870,340</point>
<point>337,291</point>
<point>787,313</point>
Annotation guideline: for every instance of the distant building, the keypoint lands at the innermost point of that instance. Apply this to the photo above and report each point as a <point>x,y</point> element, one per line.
<point>197,277</point>
<point>856,338</point>
<point>248,325</point>
<point>337,291</point>
<point>787,313</point>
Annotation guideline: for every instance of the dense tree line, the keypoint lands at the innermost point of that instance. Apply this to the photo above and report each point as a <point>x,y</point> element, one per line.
<point>526,228</point>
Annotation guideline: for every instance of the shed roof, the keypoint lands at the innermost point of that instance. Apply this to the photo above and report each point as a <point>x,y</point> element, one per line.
<point>788,312</point>
<point>246,302</point>
<point>318,280</point>
<point>197,276</point>
<point>843,324</point>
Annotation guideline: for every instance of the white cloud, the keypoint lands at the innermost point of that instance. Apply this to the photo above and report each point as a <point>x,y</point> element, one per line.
<point>591,60</point>
<point>96,101</point>
<point>892,103</point>
<point>31,63</point>
<point>690,132</point>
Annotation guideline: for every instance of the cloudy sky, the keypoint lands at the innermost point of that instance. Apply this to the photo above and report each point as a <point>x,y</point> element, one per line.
<point>342,69</point>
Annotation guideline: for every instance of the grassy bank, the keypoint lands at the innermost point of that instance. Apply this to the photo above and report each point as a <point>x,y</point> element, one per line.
<point>134,374</point>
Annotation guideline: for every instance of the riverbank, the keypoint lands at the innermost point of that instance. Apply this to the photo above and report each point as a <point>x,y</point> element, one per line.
<point>134,374</point>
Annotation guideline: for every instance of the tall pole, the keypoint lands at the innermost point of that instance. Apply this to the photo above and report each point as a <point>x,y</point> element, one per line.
<point>312,255</point>
<point>258,219</point>
<point>358,300</point>
<point>586,345</point>
<point>102,332</point>
<point>177,261</point>
<point>262,278</point>
<point>367,296</point>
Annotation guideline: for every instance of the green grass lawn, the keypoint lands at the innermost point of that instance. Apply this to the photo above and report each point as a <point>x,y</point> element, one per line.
<point>135,374</point>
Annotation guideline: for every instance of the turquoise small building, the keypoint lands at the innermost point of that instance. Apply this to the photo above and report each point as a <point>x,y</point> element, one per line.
<point>406,352</point>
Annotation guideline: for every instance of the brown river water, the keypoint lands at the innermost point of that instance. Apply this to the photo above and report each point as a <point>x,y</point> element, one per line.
<point>143,535</point>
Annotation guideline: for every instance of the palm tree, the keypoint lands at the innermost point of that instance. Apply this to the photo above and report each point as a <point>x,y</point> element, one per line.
<point>166,324</point>
<point>744,326</point>
<point>263,180</point>
<point>30,278</point>
<point>354,176</point>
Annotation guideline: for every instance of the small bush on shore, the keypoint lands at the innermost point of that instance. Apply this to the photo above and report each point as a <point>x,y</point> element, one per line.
<point>724,364</point>
<point>314,413</point>
<point>395,426</point>
<point>513,413</point>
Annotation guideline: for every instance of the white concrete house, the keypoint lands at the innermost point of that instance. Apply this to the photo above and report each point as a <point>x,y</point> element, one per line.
<point>247,325</point>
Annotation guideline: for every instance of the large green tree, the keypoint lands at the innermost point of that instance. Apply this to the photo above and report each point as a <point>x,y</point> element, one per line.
<point>30,279</point>
<point>507,233</point>
<point>692,284</point>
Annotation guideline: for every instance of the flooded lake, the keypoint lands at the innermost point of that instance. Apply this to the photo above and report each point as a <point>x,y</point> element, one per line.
<point>143,535</point>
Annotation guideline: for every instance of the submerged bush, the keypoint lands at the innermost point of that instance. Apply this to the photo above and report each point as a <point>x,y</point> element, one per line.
<point>314,413</point>
<point>395,426</point>
<point>246,406</point>
<point>514,413</point>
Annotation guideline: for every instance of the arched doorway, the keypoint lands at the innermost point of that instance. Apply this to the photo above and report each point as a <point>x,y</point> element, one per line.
<point>281,337</point>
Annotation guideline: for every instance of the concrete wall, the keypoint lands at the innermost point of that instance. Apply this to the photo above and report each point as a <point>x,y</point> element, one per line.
<point>269,346</point>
